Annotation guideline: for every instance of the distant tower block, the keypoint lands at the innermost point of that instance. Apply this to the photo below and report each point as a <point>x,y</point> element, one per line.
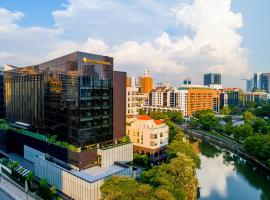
<point>187,81</point>
<point>146,82</point>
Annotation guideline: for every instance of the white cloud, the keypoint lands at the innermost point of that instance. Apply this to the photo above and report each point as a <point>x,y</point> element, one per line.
<point>135,34</point>
<point>8,19</point>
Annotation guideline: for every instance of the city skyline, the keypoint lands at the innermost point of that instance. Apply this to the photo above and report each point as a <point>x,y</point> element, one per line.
<point>176,46</point>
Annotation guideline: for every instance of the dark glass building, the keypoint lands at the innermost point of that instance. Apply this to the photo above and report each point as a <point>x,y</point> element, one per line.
<point>212,78</point>
<point>2,107</point>
<point>71,96</point>
<point>265,82</point>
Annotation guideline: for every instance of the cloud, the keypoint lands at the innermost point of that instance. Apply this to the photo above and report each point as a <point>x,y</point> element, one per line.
<point>8,19</point>
<point>137,34</point>
<point>114,21</point>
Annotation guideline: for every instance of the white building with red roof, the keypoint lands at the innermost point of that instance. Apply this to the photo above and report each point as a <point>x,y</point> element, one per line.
<point>149,136</point>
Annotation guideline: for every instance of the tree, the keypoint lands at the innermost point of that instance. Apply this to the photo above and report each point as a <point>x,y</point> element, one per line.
<point>163,194</point>
<point>258,146</point>
<point>207,119</point>
<point>53,192</point>
<point>177,147</point>
<point>242,132</point>
<point>225,110</point>
<point>248,117</point>
<point>125,188</point>
<point>259,125</point>
<point>30,178</point>
<point>141,160</point>
<point>183,170</point>
<point>43,189</point>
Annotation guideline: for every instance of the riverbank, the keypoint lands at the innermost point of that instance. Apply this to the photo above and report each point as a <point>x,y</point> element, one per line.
<point>224,175</point>
<point>227,144</point>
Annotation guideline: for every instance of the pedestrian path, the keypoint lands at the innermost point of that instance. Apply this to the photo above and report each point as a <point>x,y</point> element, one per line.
<point>13,191</point>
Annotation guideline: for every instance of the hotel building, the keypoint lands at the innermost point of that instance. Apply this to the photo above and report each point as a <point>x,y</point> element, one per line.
<point>81,99</point>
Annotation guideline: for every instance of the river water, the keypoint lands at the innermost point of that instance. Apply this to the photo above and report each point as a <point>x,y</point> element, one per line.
<point>224,175</point>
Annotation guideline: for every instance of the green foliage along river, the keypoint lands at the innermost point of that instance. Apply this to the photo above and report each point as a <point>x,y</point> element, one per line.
<point>224,175</point>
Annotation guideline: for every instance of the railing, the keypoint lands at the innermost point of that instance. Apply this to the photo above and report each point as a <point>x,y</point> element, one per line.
<point>229,145</point>
<point>34,196</point>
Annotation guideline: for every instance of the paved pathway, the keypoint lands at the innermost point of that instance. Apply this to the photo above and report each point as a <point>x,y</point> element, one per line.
<point>5,196</point>
<point>12,190</point>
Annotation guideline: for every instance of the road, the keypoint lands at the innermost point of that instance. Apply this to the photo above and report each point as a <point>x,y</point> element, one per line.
<point>4,196</point>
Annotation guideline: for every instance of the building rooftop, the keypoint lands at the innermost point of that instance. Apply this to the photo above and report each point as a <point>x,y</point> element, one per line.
<point>159,122</point>
<point>96,173</point>
<point>144,117</point>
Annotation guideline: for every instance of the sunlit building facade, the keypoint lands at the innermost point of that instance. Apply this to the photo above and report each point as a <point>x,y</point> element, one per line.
<point>71,96</point>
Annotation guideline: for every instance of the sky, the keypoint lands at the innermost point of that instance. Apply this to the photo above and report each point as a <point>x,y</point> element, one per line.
<point>174,39</point>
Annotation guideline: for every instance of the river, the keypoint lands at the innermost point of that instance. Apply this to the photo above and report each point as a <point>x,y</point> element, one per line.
<point>224,175</point>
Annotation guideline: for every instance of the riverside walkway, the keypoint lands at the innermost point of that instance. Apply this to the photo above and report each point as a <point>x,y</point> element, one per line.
<point>225,143</point>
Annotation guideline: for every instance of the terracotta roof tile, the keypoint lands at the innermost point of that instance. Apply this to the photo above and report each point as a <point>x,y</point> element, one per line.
<point>144,117</point>
<point>159,122</point>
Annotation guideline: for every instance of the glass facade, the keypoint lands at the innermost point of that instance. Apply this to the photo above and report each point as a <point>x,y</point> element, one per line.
<point>212,79</point>
<point>72,96</point>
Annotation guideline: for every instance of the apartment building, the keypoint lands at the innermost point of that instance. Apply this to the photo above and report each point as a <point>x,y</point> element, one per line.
<point>149,136</point>
<point>164,97</point>
<point>200,99</point>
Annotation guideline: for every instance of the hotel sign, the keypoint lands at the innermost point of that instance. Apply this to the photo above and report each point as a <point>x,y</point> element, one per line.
<point>88,60</point>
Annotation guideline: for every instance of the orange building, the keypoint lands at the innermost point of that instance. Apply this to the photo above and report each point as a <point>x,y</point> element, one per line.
<point>200,99</point>
<point>146,83</point>
<point>128,82</point>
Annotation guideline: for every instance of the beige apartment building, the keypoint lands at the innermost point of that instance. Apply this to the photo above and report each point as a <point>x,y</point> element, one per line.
<point>148,136</point>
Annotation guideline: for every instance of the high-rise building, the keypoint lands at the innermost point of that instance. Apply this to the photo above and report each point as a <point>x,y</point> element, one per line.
<point>256,81</point>
<point>235,96</point>
<point>261,82</point>
<point>81,99</point>
<point>256,97</point>
<point>223,99</point>
<point>212,78</point>
<point>249,85</point>
<point>119,101</point>
<point>187,81</point>
<point>146,83</point>
<point>2,107</point>
<point>72,96</point>
<point>265,82</point>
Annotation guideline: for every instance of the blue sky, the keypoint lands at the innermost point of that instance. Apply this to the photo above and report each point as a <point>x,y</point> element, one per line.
<point>174,39</point>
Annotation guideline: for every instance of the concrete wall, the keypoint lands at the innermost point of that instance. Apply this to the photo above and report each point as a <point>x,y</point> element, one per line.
<point>120,153</point>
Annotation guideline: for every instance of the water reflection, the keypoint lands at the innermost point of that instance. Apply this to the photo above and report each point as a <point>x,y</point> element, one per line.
<point>213,176</point>
<point>224,175</point>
